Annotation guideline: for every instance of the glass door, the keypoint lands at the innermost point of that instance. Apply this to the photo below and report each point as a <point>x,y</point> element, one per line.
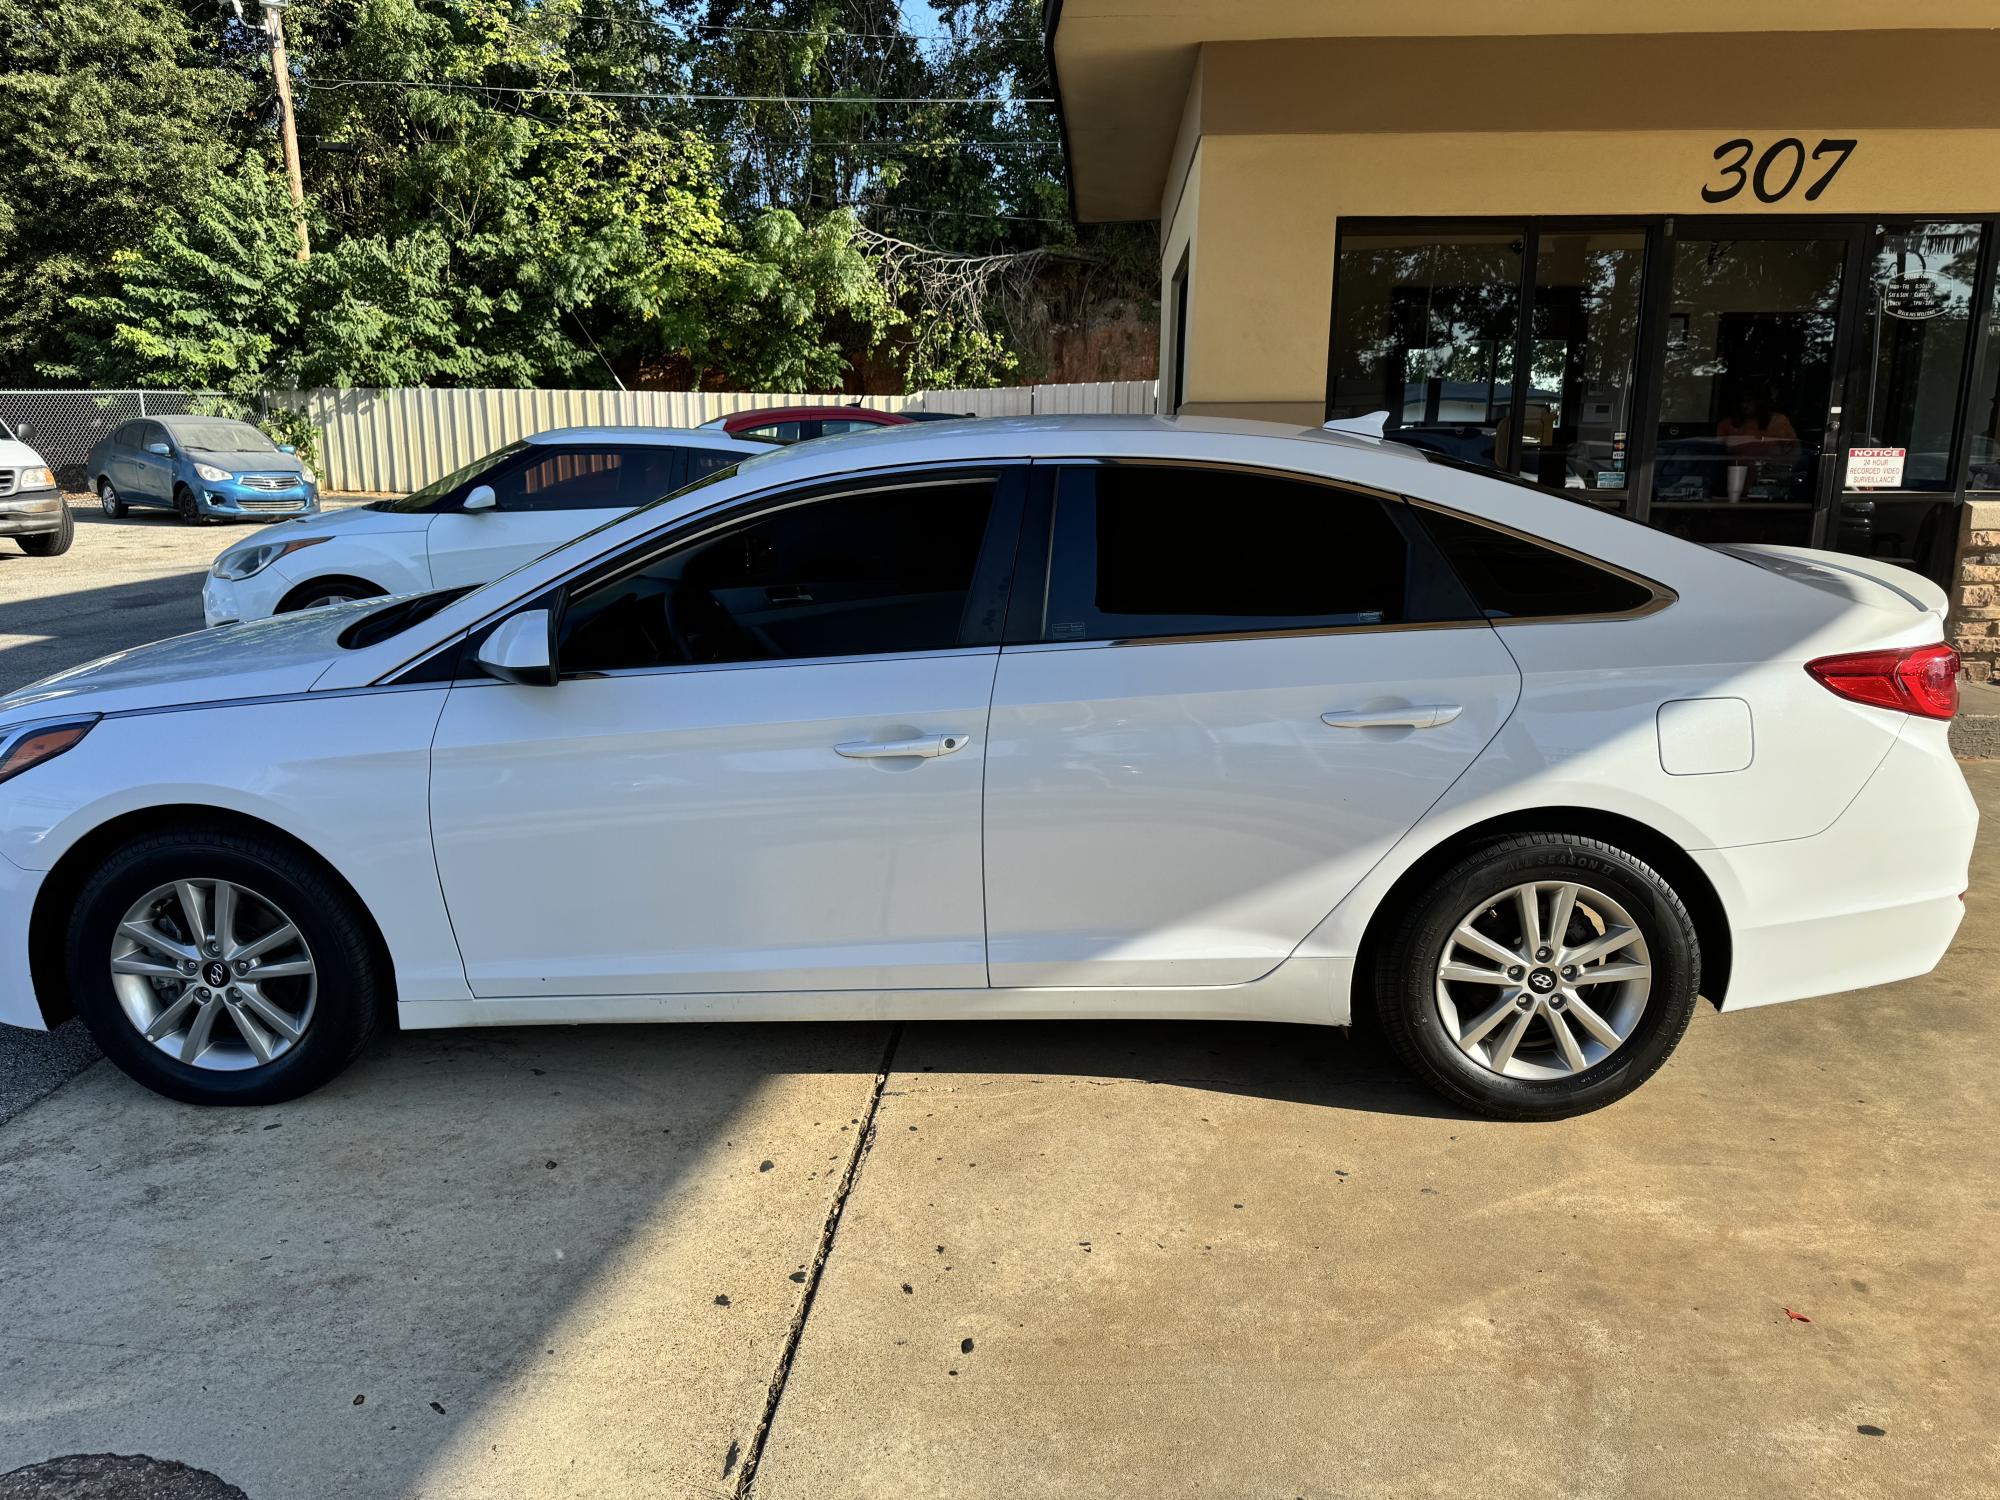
<point>1578,400</point>
<point>1912,335</point>
<point>1750,365</point>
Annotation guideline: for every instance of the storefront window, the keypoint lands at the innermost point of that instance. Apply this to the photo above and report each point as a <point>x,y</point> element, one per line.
<point>1424,329</point>
<point>1747,384</point>
<point>1915,322</point>
<point>1577,421</point>
<point>1985,473</point>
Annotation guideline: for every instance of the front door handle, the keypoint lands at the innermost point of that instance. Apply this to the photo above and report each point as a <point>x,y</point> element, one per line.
<point>924,747</point>
<point>1420,716</point>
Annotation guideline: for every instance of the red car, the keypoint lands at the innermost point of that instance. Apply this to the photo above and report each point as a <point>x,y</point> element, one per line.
<point>794,424</point>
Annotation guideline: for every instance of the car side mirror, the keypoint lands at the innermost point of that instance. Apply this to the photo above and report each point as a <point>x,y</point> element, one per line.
<point>480,498</point>
<point>23,431</point>
<point>291,448</point>
<point>522,649</point>
<point>161,449</point>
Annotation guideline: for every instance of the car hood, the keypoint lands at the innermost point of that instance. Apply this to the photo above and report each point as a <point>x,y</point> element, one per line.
<point>18,455</point>
<point>257,461</point>
<point>284,654</point>
<point>357,521</point>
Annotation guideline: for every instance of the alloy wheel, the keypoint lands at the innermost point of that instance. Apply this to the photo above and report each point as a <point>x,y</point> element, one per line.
<point>214,975</point>
<point>107,500</point>
<point>1543,980</point>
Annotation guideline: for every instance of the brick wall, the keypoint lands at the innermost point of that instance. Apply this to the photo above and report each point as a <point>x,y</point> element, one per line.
<point>1975,595</point>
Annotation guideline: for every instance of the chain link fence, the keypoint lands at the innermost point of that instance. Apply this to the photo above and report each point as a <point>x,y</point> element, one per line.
<point>63,425</point>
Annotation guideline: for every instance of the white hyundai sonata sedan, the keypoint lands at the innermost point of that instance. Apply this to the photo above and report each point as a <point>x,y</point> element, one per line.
<point>1091,717</point>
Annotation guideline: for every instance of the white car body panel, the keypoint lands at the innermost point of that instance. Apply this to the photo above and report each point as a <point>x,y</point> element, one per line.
<point>1142,865</point>
<point>1206,766</point>
<point>721,844</point>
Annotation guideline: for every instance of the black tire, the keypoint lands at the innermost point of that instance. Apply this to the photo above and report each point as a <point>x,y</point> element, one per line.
<point>352,975</point>
<point>1407,983</point>
<point>107,499</point>
<point>187,507</point>
<point>52,543</point>
<point>317,591</point>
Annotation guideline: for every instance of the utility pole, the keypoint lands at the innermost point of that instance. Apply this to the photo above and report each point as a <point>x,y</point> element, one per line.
<point>274,23</point>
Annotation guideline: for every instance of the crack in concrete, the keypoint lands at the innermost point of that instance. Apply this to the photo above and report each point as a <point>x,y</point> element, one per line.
<point>864,1138</point>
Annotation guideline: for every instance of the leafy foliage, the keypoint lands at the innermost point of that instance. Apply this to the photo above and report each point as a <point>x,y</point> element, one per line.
<point>522,192</point>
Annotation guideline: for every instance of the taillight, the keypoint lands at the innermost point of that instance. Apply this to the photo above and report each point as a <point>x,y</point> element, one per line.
<point>1915,680</point>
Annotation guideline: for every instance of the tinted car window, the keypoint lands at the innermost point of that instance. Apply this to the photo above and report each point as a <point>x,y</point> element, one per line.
<point>1511,577</point>
<point>702,462</point>
<point>779,432</point>
<point>588,478</point>
<point>1140,552</point>
<point>846,424</point>
<point>849,575</point>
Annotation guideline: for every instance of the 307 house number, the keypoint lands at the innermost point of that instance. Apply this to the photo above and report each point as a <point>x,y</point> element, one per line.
<point>1778,171</point>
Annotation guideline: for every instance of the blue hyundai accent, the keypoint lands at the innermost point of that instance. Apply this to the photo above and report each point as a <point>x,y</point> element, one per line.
<point>200,467</point>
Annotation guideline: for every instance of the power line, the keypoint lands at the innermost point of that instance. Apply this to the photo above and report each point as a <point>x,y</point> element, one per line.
<point>676,98</point>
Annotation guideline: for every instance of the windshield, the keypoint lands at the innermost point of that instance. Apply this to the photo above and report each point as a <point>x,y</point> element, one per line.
<point>398,615</point>
<point>437,489</point>
<point>223,437</point>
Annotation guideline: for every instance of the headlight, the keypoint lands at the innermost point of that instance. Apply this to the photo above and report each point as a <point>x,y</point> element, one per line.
<point>31,744</point>
<point>245,562</point>
<point>212,474</point>
<point>36,479</point>
<point>306,473</point>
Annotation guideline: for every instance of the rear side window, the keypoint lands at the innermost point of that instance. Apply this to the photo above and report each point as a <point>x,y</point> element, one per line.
<point>1145,552</point>
<point>779,432</point>
<point>701,462</point>
<point>1512,578</point>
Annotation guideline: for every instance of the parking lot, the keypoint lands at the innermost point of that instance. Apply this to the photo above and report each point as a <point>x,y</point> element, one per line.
<point>1095,1259</point>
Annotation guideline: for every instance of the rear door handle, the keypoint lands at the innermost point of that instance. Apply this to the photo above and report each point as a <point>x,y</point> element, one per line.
<point>1420,716</point>
<point>925,747</point>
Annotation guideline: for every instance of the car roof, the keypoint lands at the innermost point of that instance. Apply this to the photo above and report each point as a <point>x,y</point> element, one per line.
<point>867,414</point>
<point>680,437</point>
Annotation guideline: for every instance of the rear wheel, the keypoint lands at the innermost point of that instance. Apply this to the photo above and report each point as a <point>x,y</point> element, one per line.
<point>52,543</point>
<point>217,967</point>
<point>1541,976</point>
<point>107,499</point>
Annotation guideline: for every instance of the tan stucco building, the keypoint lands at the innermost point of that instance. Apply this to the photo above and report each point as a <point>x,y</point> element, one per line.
<point>1728,270</point>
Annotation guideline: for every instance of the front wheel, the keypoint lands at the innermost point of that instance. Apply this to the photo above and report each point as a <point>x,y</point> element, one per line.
<point>219,967</point>
<point>187,507</point>
<point>1541,976</point>
<point>52,543</point>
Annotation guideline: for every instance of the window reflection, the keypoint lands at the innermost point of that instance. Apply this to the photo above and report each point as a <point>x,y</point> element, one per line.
<point>1577,419</point>
<point>1918,298</point>
<point>1986,406</point>
<point>1426,325</point>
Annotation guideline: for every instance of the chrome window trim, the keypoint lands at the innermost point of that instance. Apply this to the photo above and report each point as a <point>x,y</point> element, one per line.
<point>683,668</point>
<point>723,514</point>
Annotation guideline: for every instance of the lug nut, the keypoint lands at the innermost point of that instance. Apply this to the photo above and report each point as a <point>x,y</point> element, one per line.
<point>243,967</point>
<point>235,993</point>
<point>1516,972</point>
<point>1541,955</point>
<point>1569,971</point>
<point>203,995</point>
<point>1526,1002</point>
<point>188,966</point>
<point>1555,1002</point>
<point>214,945</point>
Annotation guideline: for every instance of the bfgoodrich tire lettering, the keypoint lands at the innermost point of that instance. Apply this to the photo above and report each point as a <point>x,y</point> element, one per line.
<point>347,972</point>
<point>1487,1002</point>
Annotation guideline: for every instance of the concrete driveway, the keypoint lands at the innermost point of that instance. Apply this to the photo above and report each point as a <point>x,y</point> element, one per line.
<point>1014,1260</point>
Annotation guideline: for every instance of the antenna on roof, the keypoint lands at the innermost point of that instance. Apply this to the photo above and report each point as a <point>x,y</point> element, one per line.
<point>1374,425</point>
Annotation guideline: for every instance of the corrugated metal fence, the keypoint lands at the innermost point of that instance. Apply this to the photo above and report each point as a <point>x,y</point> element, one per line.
<point>394,441</point>
<point>397,440</point>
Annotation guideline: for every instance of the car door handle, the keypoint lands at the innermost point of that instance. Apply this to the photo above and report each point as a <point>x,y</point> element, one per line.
<point>1420,716</point>
<point>924,747</point>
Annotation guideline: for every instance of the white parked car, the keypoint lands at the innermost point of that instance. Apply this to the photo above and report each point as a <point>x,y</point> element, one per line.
<point>467,528</point>
<point>1093,717</point>
<point>32,509</point>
